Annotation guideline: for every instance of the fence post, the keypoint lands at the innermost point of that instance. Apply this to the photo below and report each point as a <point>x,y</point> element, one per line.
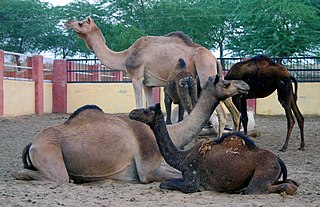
<point>37,64</point>
<point>1,83</point>
<point>59,92</point>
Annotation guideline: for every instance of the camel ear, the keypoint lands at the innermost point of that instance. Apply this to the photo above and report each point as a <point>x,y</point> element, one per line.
<point>89,19</point>
<point>157,107</point>
<point>216,80</point>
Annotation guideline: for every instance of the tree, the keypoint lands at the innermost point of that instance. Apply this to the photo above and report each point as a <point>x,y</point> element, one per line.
<point>277,28</point>
<point>24,25</point>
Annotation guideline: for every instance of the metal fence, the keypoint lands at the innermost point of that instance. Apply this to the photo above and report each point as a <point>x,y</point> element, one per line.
<point>304,69</point>
<point>18,66</point>
<point>92,71</point>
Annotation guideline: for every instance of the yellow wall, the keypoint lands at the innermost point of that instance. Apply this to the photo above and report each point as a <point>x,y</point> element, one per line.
<point>308,101</point>
<point>110,97</point>
<point>47,93</point>
<point>19,97</point>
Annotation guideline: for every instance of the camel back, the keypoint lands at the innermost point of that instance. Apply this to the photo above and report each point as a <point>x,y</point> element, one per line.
<point>248,142</point>
<point>79,110</point>
<point>186,39</point>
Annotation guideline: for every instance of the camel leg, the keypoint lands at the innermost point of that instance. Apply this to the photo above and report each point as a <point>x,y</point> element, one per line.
<point>244,115</point>
<point>191,186</point>
<point>288,186</point>
<point>148,94</point>
<point>300,120</point>
<point>137,89</point>
<point>222,120</point>
<point>168,104</point>
<point>266,173</point>
<point>48,161</point>
<point>286,99</point>
<point>181,112</point>
<point>234,113</point>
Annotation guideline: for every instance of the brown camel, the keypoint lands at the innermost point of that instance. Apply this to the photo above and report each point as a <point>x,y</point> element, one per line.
<point>150,60</point>
<point>264,76</point>
<point>181,89</point>
<point>230,164</point>
<point>93,146</point>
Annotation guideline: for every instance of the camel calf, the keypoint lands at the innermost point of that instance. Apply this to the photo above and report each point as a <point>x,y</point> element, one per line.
<point>181,89</point>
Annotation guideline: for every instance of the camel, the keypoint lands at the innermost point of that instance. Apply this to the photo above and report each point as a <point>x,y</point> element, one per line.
<point>181,89</point>
<point>150,59</point>
<point>231,164</point>
<point>264,76</point>
<point>92,145</point>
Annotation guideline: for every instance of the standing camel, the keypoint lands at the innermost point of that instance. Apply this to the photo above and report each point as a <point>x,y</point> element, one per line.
<point>181,89</point>
<point>264,76</point>
<point>92,145</point>
<point>150,60</point>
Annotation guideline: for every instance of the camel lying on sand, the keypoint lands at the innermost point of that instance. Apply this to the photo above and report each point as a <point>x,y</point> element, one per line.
<point>150,60</point>
<point>93,146</point>
<point>264,76</point>
<point>232,164</point>
<point>181,89</point>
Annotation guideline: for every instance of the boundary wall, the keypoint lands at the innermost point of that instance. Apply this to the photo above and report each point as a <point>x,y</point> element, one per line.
<point>37,96</point>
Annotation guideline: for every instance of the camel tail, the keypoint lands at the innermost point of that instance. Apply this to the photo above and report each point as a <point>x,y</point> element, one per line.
<point>27,164</point>
<point>295,87</point>
<point>283,169</point>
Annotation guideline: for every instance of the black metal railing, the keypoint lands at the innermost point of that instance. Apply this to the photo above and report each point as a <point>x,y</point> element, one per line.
<point>304,69</point>
<point>92,71</point>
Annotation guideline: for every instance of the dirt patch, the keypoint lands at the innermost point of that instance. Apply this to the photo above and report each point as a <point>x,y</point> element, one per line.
<point>15,133</point>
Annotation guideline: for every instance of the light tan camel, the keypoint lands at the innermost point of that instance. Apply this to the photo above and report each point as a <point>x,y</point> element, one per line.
<point>93,146</point>
<point>230,164</point>
<point>150,60</point>
<point>181,89</point>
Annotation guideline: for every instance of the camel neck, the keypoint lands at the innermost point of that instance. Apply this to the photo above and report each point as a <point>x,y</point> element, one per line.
<point>185,131</point>
<point>109,58</point>
<point>169,151</point>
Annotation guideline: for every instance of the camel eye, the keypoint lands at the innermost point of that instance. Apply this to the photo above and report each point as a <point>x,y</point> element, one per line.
<point>80,24</point>
<point>146,112</point>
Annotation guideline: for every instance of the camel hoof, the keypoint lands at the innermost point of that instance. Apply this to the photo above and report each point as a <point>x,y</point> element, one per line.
<point>301,148</point>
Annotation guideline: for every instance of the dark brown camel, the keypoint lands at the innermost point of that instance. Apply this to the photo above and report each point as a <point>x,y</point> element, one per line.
<point>264,76</point>
<point>232,164</point>
<point>181,89</point>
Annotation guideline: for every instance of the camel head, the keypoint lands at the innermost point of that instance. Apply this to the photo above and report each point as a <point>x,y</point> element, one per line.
<point>223,89</point>
<point>147,115</point>
<point>82,28</point>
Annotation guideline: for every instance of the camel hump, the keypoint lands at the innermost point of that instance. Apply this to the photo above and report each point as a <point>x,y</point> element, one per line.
<point>186,39</point>
<point>27,164</point>
<point>261,58</point>
<point>81,109</point>
<point>247,141</point>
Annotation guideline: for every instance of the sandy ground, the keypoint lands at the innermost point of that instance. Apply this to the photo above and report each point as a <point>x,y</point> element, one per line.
<point>16,132</point>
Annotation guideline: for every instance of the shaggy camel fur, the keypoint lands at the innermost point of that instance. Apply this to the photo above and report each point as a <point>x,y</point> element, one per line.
<point>264,76</point>
<point>181,89</point>
<point>93,145</point>
<point>150,60</point>
<point>230,164</point>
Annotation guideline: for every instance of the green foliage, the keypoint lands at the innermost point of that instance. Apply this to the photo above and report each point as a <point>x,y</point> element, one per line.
<point>245,27</point>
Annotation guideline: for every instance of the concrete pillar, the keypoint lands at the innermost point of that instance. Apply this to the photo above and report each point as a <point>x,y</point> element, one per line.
<point>59,92</point>
<point>1,83</point>
<point>37,65</point>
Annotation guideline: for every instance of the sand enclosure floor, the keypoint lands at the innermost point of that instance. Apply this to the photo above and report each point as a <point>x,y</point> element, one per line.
<point>16,132</point>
